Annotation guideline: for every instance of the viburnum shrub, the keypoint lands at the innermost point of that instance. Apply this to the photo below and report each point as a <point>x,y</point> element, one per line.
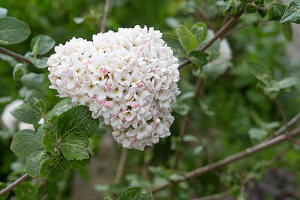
<point>129,81</point>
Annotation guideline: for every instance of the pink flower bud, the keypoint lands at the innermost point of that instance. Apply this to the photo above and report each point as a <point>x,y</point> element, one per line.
<point>107,104</point>
<point>104,71</point>
<point>134,105</point>
<point>140,84</point>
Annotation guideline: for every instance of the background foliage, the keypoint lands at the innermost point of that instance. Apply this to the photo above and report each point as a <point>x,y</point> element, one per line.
<point>235,108</point>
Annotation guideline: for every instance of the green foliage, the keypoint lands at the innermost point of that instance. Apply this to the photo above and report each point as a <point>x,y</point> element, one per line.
<point>75,146</point>
<point>2,186</point>
<point>34,162</point>
<point>52,170</point>
<point>31,111</point>
<point>187,40</point>
<point>276,11</point>
<point>41,44</point>
<point>26,191</point>
<point>292,13</point>
<point>25,142</point>
<point>75,120</point>
<point>13,31</point>
<point>135,193</point>
<point>200,31</point>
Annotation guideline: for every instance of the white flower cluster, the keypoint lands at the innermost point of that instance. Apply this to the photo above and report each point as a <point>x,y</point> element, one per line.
<point>128,77</point>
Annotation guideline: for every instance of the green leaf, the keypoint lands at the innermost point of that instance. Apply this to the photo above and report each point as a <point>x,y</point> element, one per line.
<point>50,134</point>
<point>257,134</point>
<point>31,110</point>
<point>2,186</point>
<point>181,108</point>
<point>176,177</point>
<point>199,30</point>
<point>32,80</point>
<point>52,170</point>
<point>288,82</point>
<point>3,12</point>
<point>5,99</point>
<point>25,142</point>
<point>77,119</point>
<point>292,13</point>
<point>13,31</point>
<point>78,20</point>
<point>135,193</point>
<point>41,44</point>
<point>214,69</point>
<point>190,138</point>
<point>77,164</point>
<point>198,150</point>
<point>34,162</point>
<point>26,191</point>
<point>19,70</point>
<point>39,63</point>
<point>260,71</point>
<point>276,11</point>
<point>75,146</point>
<point>198,58</point>
<point>59,108</point>
<point>144,196</point>
<point>186,38</point>
<point>287,31</point>
<point>26,113</point>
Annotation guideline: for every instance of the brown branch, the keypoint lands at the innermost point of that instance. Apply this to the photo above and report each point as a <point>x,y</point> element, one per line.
<point>219,34</point>
<point>14,184</point>
<point>199,12</point>
<point>14,55</point>
<point>200,139</point>
<point>106,8</point>
<point>121,166</point>
<point>231,159</point>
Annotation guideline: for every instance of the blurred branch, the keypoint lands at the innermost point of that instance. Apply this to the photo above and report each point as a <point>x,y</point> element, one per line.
<point>106,8</point>
<point>241,26</point>
<point>14,184</point>
<point>199,12</point>
<point>233,158</point>
<point>219,34</point>
<point>14,55</point>
<point>278,104</point>
<point>182,133</point>
<point>121,166</point>
<point>215,196</point>
<point>200,139</point>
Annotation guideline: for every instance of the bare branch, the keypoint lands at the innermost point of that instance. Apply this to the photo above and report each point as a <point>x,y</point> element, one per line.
<point>14,184</point>
<point>14,55</point>
<point>219,34</point>
<point>233,158</point>
<point>104,19</point>
<point>121,166</point>
<point>199,12</point>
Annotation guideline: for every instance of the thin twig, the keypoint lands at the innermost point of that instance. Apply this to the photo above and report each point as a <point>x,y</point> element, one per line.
<point>200,139</point>
<point>219,34</point>
<point>104,19</point>
<point>199,12</point>
<point>14,184</point>
<point>121,166</point>
<point>182,133</point>
<point>14,55</point>
<point>231,159</point>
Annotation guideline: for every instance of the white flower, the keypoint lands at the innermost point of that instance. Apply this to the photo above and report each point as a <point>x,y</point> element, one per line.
<point>128,77</point>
